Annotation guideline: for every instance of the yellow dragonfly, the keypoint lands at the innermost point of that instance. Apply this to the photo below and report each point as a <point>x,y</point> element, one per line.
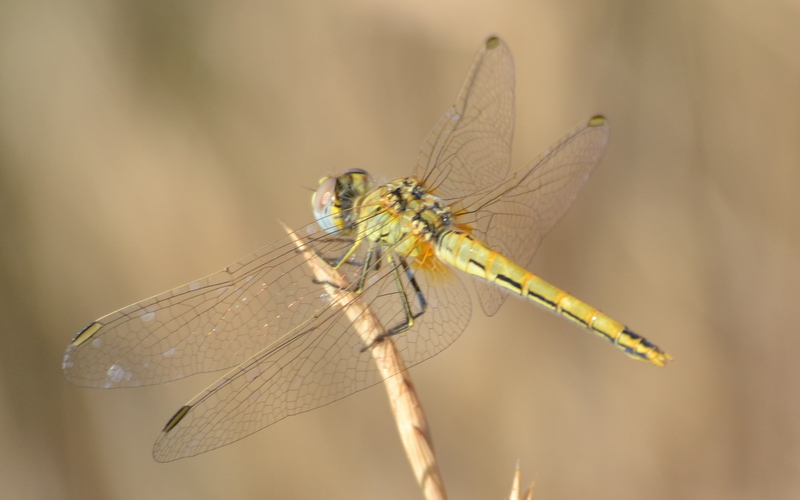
<point>396,247</point>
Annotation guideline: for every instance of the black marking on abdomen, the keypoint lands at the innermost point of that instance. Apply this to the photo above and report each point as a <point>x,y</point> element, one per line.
<point>471,261</point>
<point>541,298</point>
<point>576,318</point>
<point>503,277</point>
<point>642,341</point>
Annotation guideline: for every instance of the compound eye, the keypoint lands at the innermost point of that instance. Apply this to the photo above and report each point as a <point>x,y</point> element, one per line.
<point>322,202</point>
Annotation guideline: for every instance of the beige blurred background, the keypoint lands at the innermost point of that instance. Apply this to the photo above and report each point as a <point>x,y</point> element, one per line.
<point>145,144</point>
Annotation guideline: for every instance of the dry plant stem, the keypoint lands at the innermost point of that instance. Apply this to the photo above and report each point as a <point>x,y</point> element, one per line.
<point>406,406</point>
<point>516,492</point>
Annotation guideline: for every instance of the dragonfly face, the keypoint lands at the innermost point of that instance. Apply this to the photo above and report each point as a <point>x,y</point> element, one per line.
<point>335,200</point>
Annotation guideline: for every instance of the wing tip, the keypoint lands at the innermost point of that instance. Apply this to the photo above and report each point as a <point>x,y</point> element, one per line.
<point>86,333</point>
<point>163,451</point>
<point>176,418</point>
<point>597,121</point>
<point>492,42</point>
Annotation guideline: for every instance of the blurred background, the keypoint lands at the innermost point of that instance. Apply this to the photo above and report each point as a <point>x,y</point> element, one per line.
<point>146,144</point>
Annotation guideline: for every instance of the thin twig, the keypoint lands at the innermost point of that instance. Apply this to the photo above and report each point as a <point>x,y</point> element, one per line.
<point>516,491</point>
<point>406,406</point>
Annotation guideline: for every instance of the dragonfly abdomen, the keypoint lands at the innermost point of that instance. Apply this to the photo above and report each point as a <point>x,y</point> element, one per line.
<point>461,250</point>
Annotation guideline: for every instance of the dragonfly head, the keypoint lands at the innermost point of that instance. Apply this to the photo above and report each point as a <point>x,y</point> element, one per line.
<point>335,200</point>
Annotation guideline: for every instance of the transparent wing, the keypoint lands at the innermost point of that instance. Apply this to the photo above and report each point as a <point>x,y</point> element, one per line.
<point>319,361</point>
<point>214,323</point>
<point>470,148</point>
<point>465,160</point>
<point>514,216</point>
<point>211,324</point>
<point>294,347</point>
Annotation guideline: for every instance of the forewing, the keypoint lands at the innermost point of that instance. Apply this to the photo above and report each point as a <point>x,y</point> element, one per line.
<point>514,216</point>
<point>470,148</point>
<point>210,324</point>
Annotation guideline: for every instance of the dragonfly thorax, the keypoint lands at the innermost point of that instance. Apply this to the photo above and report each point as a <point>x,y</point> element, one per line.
<point>404,216</point>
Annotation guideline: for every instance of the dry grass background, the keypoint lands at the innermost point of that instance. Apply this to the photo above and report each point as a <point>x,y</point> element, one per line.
<point>145,144</point>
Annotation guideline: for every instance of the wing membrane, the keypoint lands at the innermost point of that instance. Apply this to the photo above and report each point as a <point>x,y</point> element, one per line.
<point>268,314</point>
<point>320,361</point>
<point>516,214</point>
<point>211,324</point>
<point>470,148</point>
<point>465,160</point>
<point>313,366</point>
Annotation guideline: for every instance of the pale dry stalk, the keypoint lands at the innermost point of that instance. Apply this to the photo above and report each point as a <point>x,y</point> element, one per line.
<point>516,491</point>
<point>406,406</point>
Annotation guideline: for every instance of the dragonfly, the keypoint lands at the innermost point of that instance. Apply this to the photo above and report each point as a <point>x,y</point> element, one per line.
<point>405,248</point>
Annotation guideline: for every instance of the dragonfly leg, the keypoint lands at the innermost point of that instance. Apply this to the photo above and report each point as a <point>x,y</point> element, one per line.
<point>410,315</point>
<point>423,303</point>
<point>372,262</point>
<point>365,267</point>
<point>331,261</point>
<point>337,263</point>
<point>350,252</point>
<point>376,266</point>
